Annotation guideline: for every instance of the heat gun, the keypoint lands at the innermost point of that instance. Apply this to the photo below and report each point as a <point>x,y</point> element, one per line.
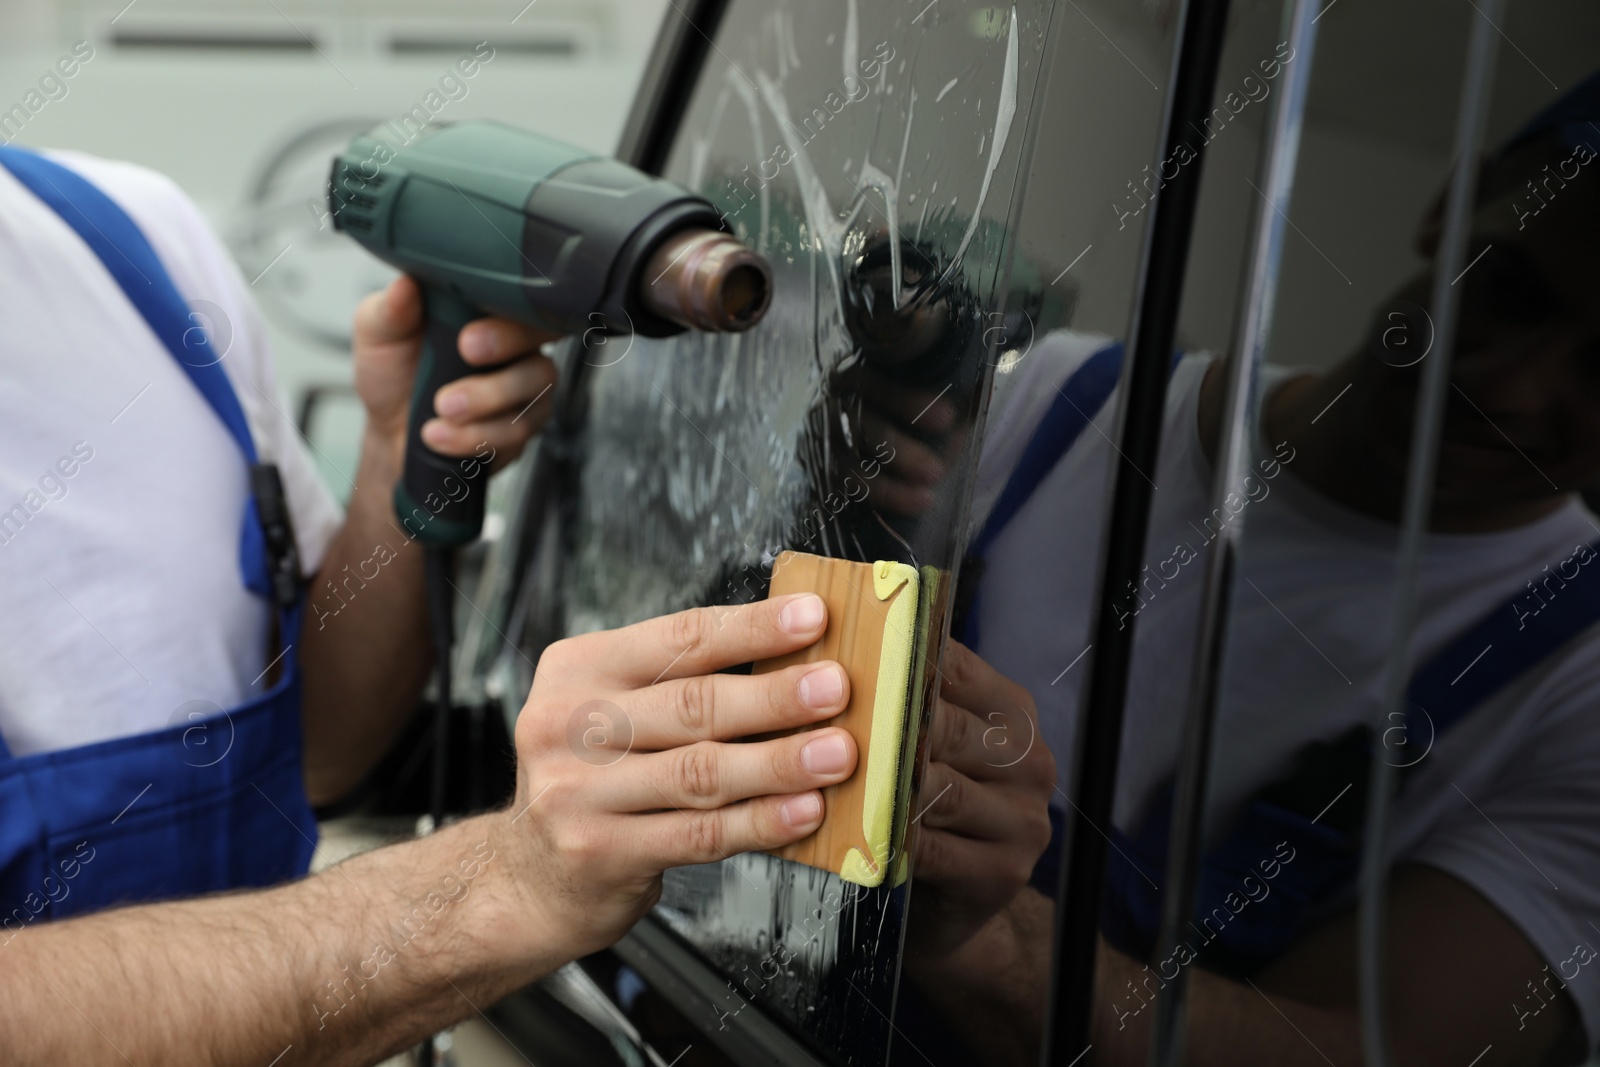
<point>491,219</point>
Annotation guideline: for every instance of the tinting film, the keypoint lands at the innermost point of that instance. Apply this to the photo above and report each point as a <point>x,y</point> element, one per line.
<point>873,153</point>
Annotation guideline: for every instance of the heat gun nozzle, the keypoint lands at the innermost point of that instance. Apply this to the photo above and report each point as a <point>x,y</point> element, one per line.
<point>707,280</point>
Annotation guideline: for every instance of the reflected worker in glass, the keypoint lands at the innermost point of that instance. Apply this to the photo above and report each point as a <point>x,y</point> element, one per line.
<point>1496,832</point>
<point>981,819</point>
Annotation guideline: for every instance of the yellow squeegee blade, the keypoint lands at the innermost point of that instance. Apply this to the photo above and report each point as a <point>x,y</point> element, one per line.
<point>872,626</point>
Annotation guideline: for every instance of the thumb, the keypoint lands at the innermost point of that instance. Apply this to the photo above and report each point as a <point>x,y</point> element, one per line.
<point>390,316</point>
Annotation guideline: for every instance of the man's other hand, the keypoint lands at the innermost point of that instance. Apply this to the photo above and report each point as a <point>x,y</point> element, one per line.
<point>990,778</point>
<point>503,408</point>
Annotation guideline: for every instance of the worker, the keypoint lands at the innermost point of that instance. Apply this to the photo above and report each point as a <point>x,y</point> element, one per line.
<point>158,647</point>
<point>154,746</point>
<point>1496,830</point>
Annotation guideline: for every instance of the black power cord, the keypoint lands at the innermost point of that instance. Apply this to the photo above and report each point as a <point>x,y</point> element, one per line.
<point>437,564</point>
<point>438,561</point>
<point>1202,28</point>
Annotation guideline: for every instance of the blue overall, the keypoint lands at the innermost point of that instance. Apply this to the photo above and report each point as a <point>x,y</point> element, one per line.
<point>200,806</point>
<point>1295,812</point>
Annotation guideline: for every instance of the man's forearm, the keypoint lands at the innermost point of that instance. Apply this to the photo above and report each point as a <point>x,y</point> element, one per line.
<point>364,645</point>
<point>340,968</point>
<point>992,989</point>
<point>1230,1023</point>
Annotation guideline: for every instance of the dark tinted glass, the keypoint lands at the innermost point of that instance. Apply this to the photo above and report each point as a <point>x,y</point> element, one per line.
<point>1040,503</point>
<point>873,155</point>
<point>976,968</point>
<point>1348,656</point>
<point>955,200</point>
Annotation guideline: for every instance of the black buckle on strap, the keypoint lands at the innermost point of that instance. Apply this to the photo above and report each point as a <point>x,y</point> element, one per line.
<point>283,557</point>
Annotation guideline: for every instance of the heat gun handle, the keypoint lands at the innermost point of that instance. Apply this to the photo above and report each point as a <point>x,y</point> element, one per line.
<point>439,500</point>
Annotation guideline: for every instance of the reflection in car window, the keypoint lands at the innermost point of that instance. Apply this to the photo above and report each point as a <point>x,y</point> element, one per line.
<point>1492,838</point>
<point>937,384</point>
<point>873,156</point>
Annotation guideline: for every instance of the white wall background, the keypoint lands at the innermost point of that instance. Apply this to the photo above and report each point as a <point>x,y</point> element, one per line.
<point>211,93</point>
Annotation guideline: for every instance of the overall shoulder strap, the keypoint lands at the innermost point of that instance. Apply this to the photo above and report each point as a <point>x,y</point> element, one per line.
<point>267,558</point>
<point>1510,640</point>
<point>1075,406</point>
<point>129,258</point>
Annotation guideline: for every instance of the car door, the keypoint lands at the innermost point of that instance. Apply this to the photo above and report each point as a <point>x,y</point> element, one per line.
<point>1043,275</point>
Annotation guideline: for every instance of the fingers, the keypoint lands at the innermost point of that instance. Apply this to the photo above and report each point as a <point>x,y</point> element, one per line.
<point>509,389</point>
<point>986,726</point>
<point>495,340</point>
<point>722,707</point>
<point>958,804</point>
<point>926,410</point>
<point>986,868</point>
<point>910,481</point>
<point>503,408</point>
<point>680,838</point>
<point>968,681</point>
<point>982,748</point>
<point>702,640</point>
<point>704,800</point>
<point>893,497</point>
<point>504,438</point>
<point>709,775</point>
<point>915,462</point>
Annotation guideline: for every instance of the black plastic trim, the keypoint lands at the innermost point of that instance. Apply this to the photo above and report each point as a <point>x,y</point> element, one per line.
<point>1203,26</point>
<point>669,80</point>
<point>679,974</point>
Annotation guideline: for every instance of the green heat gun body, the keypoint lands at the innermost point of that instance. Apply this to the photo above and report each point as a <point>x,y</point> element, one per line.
<point>491,219</point>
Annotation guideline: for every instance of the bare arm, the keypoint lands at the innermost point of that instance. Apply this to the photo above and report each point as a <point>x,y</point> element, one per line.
<point>342,968</point>
<point>1457,970</point>
<point>369,956</point>
<point>1462,976</point>
<point>364,645</point>
<point>993,988</point>
<point>979,941</point>
<point>1458,985</point>
<point>365,649</point>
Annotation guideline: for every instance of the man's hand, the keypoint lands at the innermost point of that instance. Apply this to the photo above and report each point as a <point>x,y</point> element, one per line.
<point>1459,971</point>
<point>924,430</point>
<point>900,438</point>
<point>624,766</point>
<point>987,794</point>
<point>624,770</point>
<point>979,939</point>
<point>492,407</point>
<point>365,648</point>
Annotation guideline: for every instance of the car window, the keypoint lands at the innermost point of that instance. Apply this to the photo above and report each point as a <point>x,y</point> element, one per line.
<point>957,201</point>
<point>874,155</point>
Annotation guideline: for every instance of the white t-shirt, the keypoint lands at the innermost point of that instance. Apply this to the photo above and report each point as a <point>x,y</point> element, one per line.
<point>121,493</point>
<point>1508,800</point>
